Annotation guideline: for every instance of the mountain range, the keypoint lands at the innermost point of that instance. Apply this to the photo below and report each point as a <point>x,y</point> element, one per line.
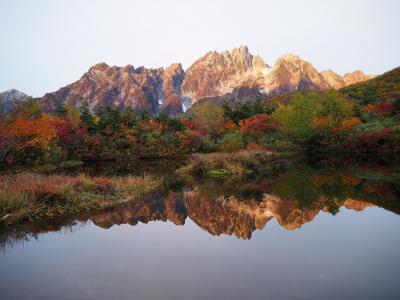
<point>236,75</point>
<point>222,215</point>
<point>9,98</point>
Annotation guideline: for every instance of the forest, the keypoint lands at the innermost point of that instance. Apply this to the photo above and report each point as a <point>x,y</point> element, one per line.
<point>360,121</point>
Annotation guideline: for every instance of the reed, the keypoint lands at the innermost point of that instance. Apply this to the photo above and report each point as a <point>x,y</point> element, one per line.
<point>30,196</point>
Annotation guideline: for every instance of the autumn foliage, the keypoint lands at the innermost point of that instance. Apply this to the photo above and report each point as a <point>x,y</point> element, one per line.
<point>257,125</point>
<point>314,123</point>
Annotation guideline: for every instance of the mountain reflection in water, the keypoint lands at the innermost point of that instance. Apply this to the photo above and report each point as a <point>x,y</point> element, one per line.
<point>219,216</point>
<point>239,207</point>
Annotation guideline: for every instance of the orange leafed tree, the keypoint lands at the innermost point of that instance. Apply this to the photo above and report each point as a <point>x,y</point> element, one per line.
<point>257,125</point>
<point>36,133</point>
<point>350,123</point>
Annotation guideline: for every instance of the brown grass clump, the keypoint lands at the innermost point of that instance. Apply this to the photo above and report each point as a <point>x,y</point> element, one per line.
<point>237,163</point>
<point>29,196</point>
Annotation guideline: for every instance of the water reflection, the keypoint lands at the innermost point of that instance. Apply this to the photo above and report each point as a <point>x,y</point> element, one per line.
<point>239,207</point>
<point>218,216</point>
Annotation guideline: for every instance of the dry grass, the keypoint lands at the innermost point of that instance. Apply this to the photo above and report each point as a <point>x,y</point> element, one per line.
<point>28,196</point>
<point>131,185</point>
<point>11,201</point>
<point>237,163</point>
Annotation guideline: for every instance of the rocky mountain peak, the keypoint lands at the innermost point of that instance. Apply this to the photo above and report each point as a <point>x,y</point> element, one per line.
<point>105,85</point>
<point>12,94</point>
<point>356,76</point>
<point>9,98</point>
<point>293,62</point>
<point>129,68</point>
<point>289,57</point>
<point>333,79</point>
<point>242,57</point>
<point>258,63</point>
<point>100,67</point>
<point>175,68</point>
<point>235,75</point>
<point>243,49</point>
<point>291,73</point>
<point>172,86</point>
<point>218,73</point>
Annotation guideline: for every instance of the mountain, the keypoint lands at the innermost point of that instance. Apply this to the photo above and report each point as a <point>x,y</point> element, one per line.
<point>9,98</point>
<point>333,79</point>
<point>291,73</point>
<point>222,215</point>
<point>172,87</point>
<point>139,89</point>
<point>234,75</point>
<point>383,88</point>
<point>216,74</point>
<point>355,77</point>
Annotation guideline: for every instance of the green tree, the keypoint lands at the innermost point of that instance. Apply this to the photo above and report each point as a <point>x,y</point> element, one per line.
<point>173,124</point>
<point>29,109</point>
<point>243,111</point>
<point>297,116</point>
<point>232,141</point>
<point>110,117</point>
<point>86,116</point>
<point>210,116</point>
<point>128,117</point>
<point>61,111</point>
<point>334,109</point>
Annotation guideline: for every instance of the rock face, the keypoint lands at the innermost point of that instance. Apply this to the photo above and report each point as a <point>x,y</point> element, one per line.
<point>333,79</point>
<point>172,86</point>
<point>239,76</point>
<point>355,77</point>
<point>9,98</point>
<point>291,73</point>
<point>103,85</point>
<point>232,76</point>
<point>123,87</point>
<point>216,74</point>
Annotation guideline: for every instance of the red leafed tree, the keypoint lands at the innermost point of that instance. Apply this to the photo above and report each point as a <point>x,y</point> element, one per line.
<point>257,125</point>
<point>384,107</point>
<point>195,126</point>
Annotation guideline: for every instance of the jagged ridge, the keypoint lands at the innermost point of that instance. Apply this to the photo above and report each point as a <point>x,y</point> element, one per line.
<point>235,75</point>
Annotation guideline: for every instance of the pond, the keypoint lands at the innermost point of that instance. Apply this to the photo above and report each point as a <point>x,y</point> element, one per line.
<point>306,233</point>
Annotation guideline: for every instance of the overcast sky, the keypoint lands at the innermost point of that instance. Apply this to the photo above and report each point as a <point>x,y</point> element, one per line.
<point>49,44</point>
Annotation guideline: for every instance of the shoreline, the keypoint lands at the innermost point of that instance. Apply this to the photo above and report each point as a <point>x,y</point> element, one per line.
<point>29,197</point>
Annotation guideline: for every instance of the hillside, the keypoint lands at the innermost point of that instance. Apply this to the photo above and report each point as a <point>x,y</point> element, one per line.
<point>385,87</point>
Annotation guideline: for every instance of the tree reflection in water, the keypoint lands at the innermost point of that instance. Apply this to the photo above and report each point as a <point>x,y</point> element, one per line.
<point>238,207</point>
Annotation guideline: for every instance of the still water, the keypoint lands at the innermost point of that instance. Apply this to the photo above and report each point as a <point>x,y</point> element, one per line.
<point>304,234</point>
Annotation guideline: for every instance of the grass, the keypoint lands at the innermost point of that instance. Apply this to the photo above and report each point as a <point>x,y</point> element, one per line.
<point>218,173</point>
<point>132,185</point>
<point>11,201</point>
<point>239,163</point>
<point>30,196</point>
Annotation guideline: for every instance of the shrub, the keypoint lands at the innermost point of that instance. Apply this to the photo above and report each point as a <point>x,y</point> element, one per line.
<point>238,163</point>
<point>209,115</point>
<point>257,125</point>
<point>278,143</point>
<point>231,142</point>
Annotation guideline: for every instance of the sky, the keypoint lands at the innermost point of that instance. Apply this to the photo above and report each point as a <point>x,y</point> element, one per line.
<point>49,44</point>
